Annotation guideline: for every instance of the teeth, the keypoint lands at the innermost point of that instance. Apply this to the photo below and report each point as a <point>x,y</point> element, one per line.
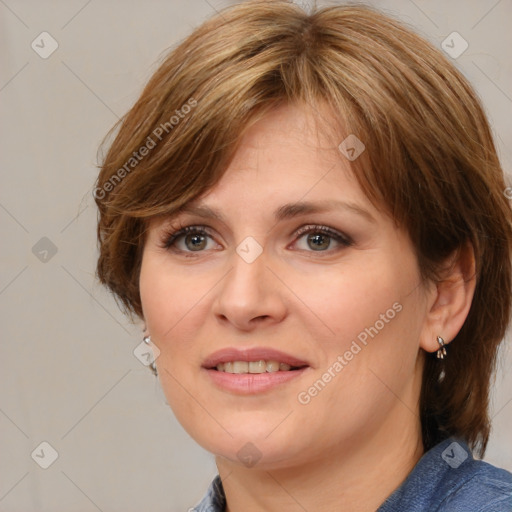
<point>272,366</point>
<point>240,367</point>
<point>257,367</point>
<point>253,367</point>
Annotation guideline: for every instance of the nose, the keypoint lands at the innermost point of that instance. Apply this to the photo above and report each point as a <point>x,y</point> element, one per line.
<point>249,295</point>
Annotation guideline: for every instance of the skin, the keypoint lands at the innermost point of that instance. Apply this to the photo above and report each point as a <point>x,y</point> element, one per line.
<point>354,442</point>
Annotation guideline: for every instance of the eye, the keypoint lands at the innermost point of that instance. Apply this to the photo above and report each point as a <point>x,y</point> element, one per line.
<point>319,238</point>
<point>191,239</point>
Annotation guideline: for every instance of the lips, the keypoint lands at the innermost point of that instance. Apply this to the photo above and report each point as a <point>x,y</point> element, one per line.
<point>250,355</point>
<point>241,383</point>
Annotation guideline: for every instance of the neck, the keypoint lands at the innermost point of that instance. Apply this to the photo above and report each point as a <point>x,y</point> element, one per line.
<point>357,475</point>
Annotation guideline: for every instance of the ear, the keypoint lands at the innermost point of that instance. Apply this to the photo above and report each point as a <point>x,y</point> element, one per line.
<point>449,300</point>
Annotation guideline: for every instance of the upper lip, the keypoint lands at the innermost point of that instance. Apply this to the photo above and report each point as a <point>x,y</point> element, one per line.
<point>251,354</point>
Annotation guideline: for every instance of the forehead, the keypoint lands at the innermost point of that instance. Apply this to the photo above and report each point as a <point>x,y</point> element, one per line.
<point>287,164</point>
<point>300,131</point>
<point>290,155</point>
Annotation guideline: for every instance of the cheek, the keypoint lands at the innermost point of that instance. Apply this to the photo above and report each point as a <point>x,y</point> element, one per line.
<point>162,299</point>
<point>370,312</point>
<point>163,291</point>
<point>370,360</point>
<point>152,294</point>
<point>173,304</point>
<point>350,297</point>
<point>166,299</point>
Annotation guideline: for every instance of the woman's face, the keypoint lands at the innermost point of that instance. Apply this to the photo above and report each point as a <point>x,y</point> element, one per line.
<point>297,267</point>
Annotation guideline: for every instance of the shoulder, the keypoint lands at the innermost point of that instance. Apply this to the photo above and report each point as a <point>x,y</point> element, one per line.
<point>480,487</point>
<point>448,479</point>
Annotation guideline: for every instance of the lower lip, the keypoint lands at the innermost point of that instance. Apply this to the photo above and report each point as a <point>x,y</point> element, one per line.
<point>252,383</point>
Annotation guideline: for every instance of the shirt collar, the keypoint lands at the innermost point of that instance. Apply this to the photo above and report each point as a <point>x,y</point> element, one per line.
<point>435,476</point>
<point>214,500</point>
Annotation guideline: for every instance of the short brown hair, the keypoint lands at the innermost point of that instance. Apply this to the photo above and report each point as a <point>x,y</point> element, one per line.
<point>430,161</point>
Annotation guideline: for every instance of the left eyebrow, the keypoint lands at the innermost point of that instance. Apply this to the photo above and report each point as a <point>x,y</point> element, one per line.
<point>286,211</point>
<point>291,210</point>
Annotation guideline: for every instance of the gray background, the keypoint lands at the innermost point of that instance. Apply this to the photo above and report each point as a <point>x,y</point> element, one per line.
<point>69,376</point>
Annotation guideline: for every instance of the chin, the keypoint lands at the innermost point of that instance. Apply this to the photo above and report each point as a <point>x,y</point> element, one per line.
<point>264,447</point>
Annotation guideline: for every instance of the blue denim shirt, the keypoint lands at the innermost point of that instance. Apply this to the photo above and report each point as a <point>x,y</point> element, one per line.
<point>446,479</point>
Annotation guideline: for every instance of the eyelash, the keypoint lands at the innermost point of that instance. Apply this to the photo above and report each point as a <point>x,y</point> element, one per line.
<point>169,238</point>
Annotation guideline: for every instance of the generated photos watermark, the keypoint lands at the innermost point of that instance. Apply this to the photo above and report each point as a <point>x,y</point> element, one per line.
<point>151,141</point>
<point>305,397</point>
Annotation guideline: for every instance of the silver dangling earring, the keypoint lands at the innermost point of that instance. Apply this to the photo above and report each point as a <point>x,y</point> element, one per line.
<point>441,353</point>
<point>152,366</point>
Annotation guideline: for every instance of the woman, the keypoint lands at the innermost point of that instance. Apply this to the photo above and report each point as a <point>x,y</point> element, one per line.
<point>308,214</point>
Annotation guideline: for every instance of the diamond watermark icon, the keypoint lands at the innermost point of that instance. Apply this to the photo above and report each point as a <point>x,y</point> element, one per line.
<point>351,147</point>
<point>249,455</point>
<point>44,45</point>
<point>454,455</point>
<point>454,45</point>
<point>146,353</point>
<point>249,249</point>
<point>44,455</point>
<point>44,249</point>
